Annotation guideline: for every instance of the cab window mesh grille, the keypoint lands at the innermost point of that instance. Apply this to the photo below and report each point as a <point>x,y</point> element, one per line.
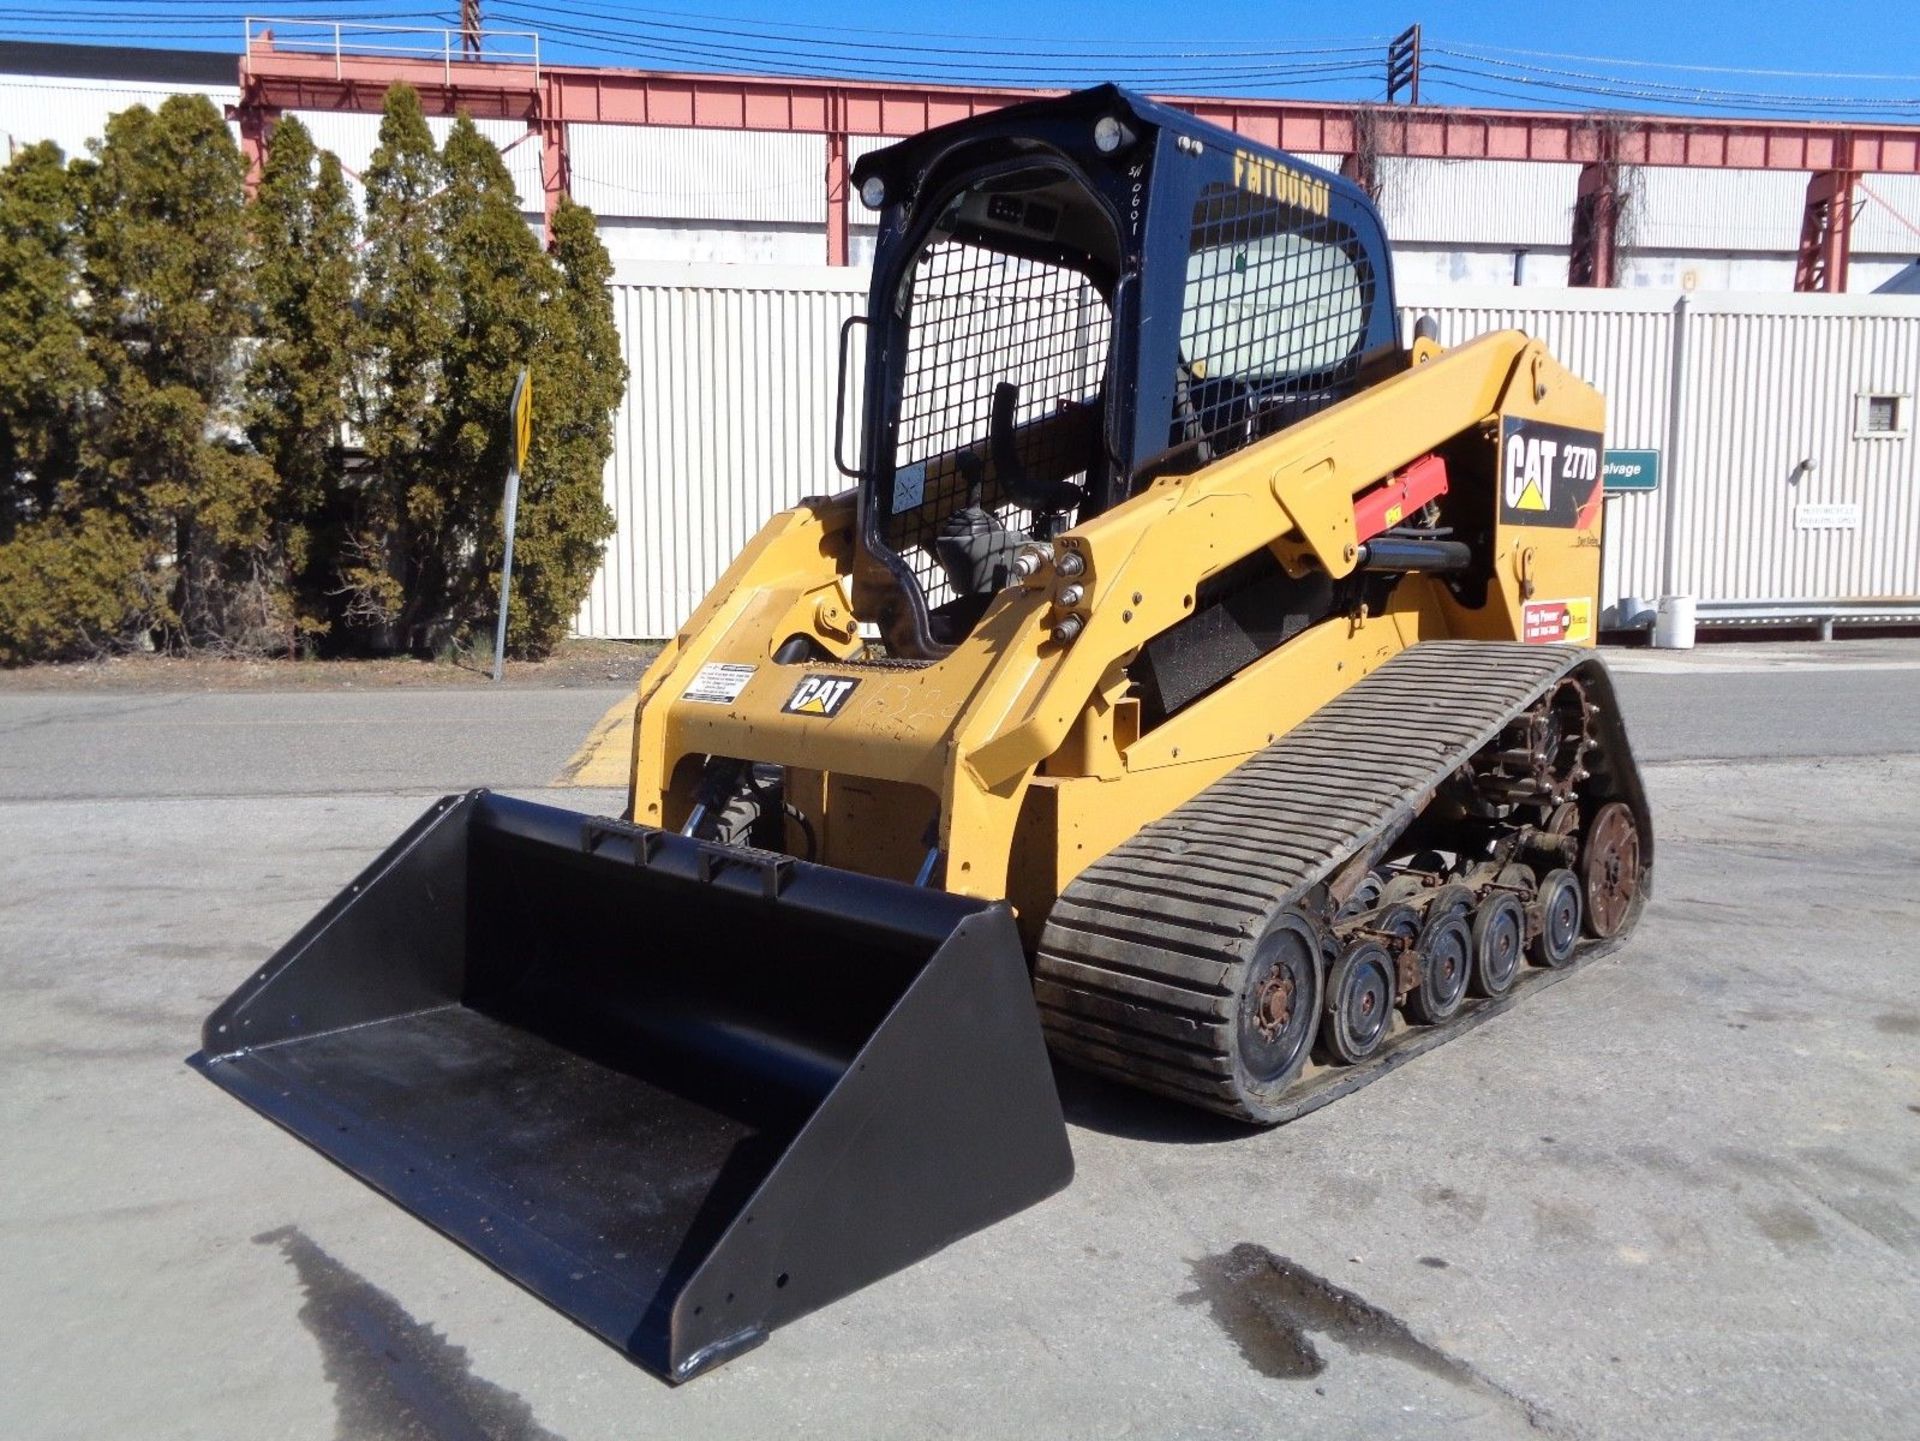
<point>1272,323</point>
<point>982,320</point>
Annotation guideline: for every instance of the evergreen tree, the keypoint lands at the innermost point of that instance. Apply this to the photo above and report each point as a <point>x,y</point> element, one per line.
<point>164,263</point>
<point>73,579</point>
<point>138,492</point>
<point>394,564</point>
<point>300,383</point>
<point>579,381</point>
<point>501,280</point>
<point>459,296</point>
<point>73,584</point>
<point>46,376</point>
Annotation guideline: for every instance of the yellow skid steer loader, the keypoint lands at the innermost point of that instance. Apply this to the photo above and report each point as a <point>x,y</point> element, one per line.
<point>1195,681</point>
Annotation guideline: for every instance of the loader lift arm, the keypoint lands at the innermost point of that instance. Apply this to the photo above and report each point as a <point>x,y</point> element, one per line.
<point>1295,492</point>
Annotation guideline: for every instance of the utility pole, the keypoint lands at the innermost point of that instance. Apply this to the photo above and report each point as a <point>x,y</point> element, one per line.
<point>1403,65</point>
<point>470,29</point>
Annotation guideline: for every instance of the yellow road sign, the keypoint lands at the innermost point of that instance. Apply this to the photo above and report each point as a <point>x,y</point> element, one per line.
<point>522,408</point>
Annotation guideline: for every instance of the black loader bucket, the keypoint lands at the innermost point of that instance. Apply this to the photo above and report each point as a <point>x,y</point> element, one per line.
<point>681,1092</point>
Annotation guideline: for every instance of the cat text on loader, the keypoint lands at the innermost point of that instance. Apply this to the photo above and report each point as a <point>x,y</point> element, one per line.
<point>1195,681</point>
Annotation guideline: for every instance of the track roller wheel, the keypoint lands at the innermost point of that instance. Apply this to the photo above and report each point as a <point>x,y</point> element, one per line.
<point>1278,1012</point>
<point>1365,896</point>
<point>1398,928</point>
<point>1521,878</point>
<point>1399,920</point>
<point>1610,868</point>
<point>1446,960</point>
<point>1330,948</point>
<point>1403,887</point>
<point>1499,940</point>
<point>1555,919</point>
<point>1359,1005</point>
<point>1453,899</point>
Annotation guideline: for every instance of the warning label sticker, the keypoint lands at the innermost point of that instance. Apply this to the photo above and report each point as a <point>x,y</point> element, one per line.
<point>1543,622</point>
<point>719,682</point>
<point>909,487</point>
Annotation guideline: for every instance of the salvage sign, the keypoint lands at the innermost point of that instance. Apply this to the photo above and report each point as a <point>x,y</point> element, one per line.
<point>1543,622</point>
<point>1631,470</point>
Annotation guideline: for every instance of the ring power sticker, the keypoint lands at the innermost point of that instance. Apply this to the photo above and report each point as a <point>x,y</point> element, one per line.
<point>1545,621</point>
<point>820,695</point>
<point>719,683</point>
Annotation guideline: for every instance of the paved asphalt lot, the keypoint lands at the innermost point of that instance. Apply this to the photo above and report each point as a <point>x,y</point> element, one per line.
<point>1674,1196</point>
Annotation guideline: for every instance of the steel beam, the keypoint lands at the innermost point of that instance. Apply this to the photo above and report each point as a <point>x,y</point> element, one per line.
<point>1826,232</point>
<point>552,97</point>
<point>295,81</point>
<point>837,240</point>
<point>256,128</point>
<point>1596,220</point>
<point>556,169</point>
<point>1361,168</point>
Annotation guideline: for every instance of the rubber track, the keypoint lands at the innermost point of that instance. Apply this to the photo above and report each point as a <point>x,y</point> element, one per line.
<point>1137,971</point>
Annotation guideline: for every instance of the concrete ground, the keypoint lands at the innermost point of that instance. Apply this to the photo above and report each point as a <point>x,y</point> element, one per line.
<point>1673,1196</point>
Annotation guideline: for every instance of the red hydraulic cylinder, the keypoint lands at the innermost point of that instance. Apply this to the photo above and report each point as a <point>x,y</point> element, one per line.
<point>1399,496</point>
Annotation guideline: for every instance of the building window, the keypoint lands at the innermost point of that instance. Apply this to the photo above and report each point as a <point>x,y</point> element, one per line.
<point>1881,415</point>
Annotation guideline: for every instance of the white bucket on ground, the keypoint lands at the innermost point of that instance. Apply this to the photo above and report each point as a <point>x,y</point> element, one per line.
<point>1673,623</point>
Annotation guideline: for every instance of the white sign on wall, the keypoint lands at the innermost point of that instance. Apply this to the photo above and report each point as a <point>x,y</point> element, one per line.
<point>1828,516</point>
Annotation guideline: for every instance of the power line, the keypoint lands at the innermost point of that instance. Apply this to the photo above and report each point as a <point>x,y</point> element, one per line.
<point>1533,82</point>
<point>1026,44</point>
<point>775,60</point>
<point>197,17</point>
<point>773,30</point>
<point>1644,89</point>
<point>1536,93</point>
<point>1078,58</point>
<point>238,11</point>
<point>1366,45</point>
<point>48,30</point>
<point>772,47</point>
<point>1701,69</point>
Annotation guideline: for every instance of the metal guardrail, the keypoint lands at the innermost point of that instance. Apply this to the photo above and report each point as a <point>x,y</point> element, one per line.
<point>1827,614</point>
<point>1889,610</point>
<point>1869,609</point>
<point>347,41</point>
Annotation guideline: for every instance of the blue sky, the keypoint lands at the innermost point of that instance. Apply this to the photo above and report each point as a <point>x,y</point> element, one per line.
<point>1840,60</point>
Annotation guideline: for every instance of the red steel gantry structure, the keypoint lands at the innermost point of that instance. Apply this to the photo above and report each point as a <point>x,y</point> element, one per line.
<point>547,98</point>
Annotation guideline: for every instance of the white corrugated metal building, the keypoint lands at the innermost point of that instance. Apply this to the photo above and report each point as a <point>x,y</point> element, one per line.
<point>729,321</point>
<point>64,93</point>
<point>679,195</point>
<point>1785,493</point>
<point>1780,500</point>
<point>664,193</point>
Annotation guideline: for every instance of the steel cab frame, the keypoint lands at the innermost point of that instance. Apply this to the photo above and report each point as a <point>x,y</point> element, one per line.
<point>1158,191</point>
